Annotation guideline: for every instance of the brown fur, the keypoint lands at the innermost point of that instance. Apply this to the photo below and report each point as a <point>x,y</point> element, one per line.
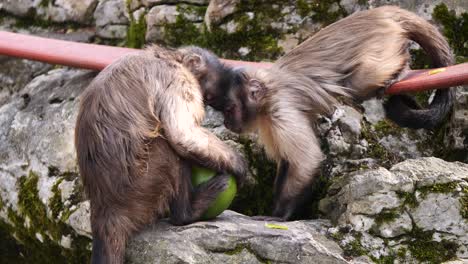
<point>137,128</point>
<point>356,57</point>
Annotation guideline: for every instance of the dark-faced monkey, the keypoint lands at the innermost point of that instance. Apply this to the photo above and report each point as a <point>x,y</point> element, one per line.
<point>137,132</point>
<point>358,57</point>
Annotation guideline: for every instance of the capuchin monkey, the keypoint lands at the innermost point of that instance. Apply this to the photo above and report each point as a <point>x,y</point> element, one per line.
<point>137,133</point>
<point>358,57</point>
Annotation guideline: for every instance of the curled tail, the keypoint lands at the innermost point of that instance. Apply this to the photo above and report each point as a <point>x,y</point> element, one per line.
<point>403,109</point>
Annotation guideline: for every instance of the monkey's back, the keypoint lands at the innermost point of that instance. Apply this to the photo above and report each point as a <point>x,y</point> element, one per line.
<point>361,51</point>
<point>126,165</point>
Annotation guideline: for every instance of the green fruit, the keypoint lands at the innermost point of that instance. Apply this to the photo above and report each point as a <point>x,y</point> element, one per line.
<point>224,199</point>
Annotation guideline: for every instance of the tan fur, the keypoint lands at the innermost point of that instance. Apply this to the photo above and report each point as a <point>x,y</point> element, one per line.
<point>137,118</point>
<point>356,57</point>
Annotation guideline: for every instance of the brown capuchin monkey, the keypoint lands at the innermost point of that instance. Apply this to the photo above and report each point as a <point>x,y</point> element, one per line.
<point>358,57</point>
<point>138,130</point>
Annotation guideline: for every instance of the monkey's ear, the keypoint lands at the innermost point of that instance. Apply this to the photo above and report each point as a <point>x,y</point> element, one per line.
<point>194,63</point>
<point>256,89</point>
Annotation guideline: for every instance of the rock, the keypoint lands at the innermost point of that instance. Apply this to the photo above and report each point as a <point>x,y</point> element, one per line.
<point>288,42</point>
<point>395,227</point>
<point>71,10</point>
<point>79,219</point>
<point>57,10</point>
<point>18,7</point>
<point>457,138</point>
<point>16,73</point>
<point>349,122</point>
<point>441,212</point>
<point>110,12</point>
<point>112,31</point>
<point>219,9</point>
<point>422,8</point>
<point>352,6</point>
<point>416,202</point>
<point>373,110</point>
<point>161,15</point>
<point>159,2</point>
<point>233,238</point>
<point>430,171</point>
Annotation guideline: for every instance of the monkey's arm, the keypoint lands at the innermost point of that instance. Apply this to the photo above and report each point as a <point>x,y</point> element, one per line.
<point>300,150</point>
<point>196,143</point>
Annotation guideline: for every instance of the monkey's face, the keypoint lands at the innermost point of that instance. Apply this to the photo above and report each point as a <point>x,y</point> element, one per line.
<point>241,104</point>
<point>214,85</point>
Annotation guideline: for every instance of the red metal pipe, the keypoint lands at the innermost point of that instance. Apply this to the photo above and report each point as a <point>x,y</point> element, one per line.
<point>97,57</point>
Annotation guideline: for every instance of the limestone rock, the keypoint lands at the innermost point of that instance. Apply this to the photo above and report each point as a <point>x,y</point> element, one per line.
<point>111,19</point>
<point>219,9</point>
<point>441,212</point>
<point>18,7</point>
<point>373,110</point>
<point>233,238</point>
<point>429,171</point>
<point>71,10</point>
<point>159,2</point>
<point>419,201</point>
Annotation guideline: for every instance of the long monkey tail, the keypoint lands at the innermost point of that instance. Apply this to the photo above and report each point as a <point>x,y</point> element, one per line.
<point>403,109</point>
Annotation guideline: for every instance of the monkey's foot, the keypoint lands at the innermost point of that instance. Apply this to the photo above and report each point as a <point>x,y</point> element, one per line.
<point>268,218</point>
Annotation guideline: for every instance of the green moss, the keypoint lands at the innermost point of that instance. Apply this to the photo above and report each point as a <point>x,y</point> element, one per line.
<point>424,249</point>
<point>55,202</point>
<point>409,199</point>
<point>257,199</point>
<point>385,127</point>
<point>254,33</point>
<point>389,259</point>
<point>363,2</point>
<point>136,31</point>
<point>38,224</point>
<point>455,29</point>
<point>387,216</point>
<point>355,248</point>
<point>2,204</point>
<point>375,149</point>
<point>44,3</point>
<point>438,188</point>
<point>9,247</point>
<point>320,10</point>
<point>464,203</point>
<point>392,257</point>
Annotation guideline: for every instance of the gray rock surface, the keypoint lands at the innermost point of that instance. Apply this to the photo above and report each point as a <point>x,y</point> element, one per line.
<point>234,238</point>
<point>219,9</point>
<point>111,19</point>
<point>420,195</point>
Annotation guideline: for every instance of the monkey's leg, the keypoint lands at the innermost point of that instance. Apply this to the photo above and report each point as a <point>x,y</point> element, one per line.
<point>191,202</point>
<point>109,241</point>
<point>299,146</point>
<point>280,179</point>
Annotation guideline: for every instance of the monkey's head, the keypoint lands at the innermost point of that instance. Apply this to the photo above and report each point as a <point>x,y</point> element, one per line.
<point>242,99</point>
<point>212,75</point>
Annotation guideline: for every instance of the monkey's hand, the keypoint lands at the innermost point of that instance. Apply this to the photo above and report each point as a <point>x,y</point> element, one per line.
<point>240,169</point>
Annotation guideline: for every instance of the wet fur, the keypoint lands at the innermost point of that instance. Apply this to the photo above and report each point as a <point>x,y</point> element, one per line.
<point>356,57</point>
<point>137,132</point>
